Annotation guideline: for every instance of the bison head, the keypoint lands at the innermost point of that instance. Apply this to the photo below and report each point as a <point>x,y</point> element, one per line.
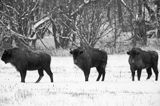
<point>6,56</point>
<point>76,53</point>
<point>134,51</point>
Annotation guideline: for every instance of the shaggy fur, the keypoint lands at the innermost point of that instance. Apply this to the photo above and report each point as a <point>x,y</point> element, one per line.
<point>140,59</point>
<point>86,58</point>
<point>24,59</point>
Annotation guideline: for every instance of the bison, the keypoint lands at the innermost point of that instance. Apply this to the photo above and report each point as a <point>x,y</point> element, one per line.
<point>25,59</point>
<point>86,58</point>
<point>140,59</point>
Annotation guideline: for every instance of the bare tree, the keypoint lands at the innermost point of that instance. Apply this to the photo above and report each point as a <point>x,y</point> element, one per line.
<point>18,16</point>
<point>92,24</point>
<point>157,3</point>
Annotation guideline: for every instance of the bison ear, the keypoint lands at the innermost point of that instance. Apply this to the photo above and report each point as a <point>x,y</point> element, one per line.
<point>71,52</point>
<point>128,52</point>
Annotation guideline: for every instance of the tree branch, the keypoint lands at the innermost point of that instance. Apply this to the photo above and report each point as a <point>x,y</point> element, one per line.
<point>9,17</point>
<point>15,33</point>
<point>129,9</point>
<point>10,7</point>
<point>69,39</point>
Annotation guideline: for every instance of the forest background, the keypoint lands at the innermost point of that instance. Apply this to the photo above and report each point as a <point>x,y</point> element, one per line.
<point>58,25</point>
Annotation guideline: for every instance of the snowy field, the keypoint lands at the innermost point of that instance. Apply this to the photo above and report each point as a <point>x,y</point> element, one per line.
<point>70,89</point>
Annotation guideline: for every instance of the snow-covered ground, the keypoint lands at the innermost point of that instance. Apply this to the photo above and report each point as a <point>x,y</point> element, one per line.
<point>70,89</point>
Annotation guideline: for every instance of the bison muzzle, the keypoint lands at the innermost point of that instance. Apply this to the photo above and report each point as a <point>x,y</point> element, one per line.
<point>86,58</point>
<point>24,59</point>
<point>140,59</point>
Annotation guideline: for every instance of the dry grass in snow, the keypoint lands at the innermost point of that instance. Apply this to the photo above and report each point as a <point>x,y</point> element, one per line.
<point>70,89</point>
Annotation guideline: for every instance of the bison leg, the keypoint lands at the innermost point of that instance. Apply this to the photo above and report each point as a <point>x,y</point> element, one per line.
<point>103,75</point>
<point>149,72</point>
<point>133,73</point>
<point>49,72</point>
<point>86,74</point>
<point>101,71</point>
<point>40,72</point>
<point>139,71</point>
<point>155,69</point>
<point>23,75</point>
<point>99,76</point>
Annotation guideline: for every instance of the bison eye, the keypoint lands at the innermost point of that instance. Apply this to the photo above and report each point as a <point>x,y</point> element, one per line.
<point>80,52</point>
<point>137,53</point>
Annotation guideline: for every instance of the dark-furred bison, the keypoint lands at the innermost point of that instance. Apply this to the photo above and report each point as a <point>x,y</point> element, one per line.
<point>24,59</point>
<point>140,59</point>
<point>86,58</point>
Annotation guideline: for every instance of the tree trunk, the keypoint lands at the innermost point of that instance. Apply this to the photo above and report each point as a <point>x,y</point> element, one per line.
<point>131,25</point>
<point>115,24</point>
<point>150,11</point>
<point>54,30</point>
<point>64,42</point>
<point>139,8</point>
<point>108,15</point>
<point>120,16</point>
<point>33,43</point>
<point>157,3</point>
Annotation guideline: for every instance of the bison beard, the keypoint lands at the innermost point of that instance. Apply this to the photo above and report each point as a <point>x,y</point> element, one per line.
<point>86,58</point>
<point>24,59</point>
<point>140,59</point>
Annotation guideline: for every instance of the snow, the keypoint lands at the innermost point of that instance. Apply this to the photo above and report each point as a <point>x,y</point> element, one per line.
<point>70,89</point>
